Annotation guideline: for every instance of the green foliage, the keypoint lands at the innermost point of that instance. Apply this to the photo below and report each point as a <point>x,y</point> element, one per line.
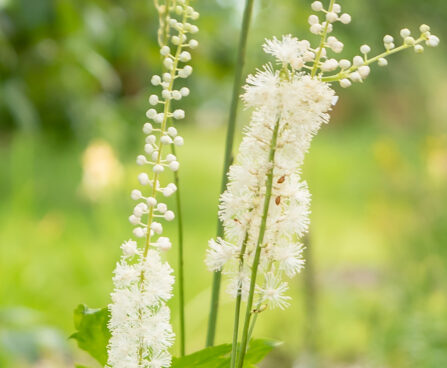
<point>93,334</point>
<point>219,356</point>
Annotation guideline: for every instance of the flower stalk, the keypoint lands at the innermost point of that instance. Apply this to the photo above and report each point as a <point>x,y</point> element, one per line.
<point>255,265</point>
<point>140,318</point>
<point>238,307</point>
<point>240,63</point>
<point>163,37</point>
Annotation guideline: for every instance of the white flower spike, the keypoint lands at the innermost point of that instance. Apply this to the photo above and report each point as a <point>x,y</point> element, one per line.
<point>297,105</point>
<point>140,319</point>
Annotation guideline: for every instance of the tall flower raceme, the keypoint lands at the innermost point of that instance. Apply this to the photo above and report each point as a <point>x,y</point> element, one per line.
<point>265,209</point>
<point>140,319</point>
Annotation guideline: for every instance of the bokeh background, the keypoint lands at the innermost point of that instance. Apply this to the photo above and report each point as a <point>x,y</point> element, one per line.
<point>74,82</point>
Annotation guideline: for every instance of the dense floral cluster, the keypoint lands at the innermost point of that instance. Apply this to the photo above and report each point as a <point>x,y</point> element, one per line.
<point>299,104</point>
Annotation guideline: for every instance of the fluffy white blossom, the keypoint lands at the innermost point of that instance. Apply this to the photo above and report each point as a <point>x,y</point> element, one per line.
<point>139,317</point>
<point>272,292</point>
<point>288,51</point>
<point>300,105</point>
<point>219,253</point>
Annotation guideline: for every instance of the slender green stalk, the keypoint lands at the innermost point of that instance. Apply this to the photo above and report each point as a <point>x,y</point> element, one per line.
<point>181,279</point>
<point>238,306</point>
<point>322,42</point>
<point>254,270</point>
<point>228,158</point>
<point>163,36</point>
<point>345,73</point>
<point>252,324</point>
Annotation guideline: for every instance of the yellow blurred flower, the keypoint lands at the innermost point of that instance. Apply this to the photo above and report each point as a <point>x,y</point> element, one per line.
<point>437,158</point>
<point>102,172</point>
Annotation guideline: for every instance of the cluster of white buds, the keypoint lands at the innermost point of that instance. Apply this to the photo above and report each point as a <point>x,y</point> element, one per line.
<point>300,55</point>
<point>358,69</point>
<point>332,15</point>
<point>140,320</point>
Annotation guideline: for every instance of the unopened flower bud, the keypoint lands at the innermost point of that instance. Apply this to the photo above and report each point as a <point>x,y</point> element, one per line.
<point>432,41</point>
<point>141,160</point>
<point>358,60</point>
<point>184,91</point>
<point>165,50</point>
<point>424,28</point>
<point>156,226</point>
<point>143,178</point>
<point>156,80</point>
<point>178,114</point>
<point>139,232</point>
<point>316,28</point>
<point>174,165</point>
<point>172,132</point>
<point>151,113</point>
<point>345,83</point>
<point>405,32</point>
<point>162,207</point>
<point>345,18</point>
<point>365,49</point>
<point>382,62</point>
<point>388,39</point>
<point>313,19</point>
<point>136,194</point>
<point>418,49</point>
<point>344,64</point>
<point>169,216</point>
<point>164,243</point>
<point>178,141</point>
<point>331,17</point>
<point>364,71</point>
<point>185,56</point>
<point>147,128</point>
<point>317,6</point>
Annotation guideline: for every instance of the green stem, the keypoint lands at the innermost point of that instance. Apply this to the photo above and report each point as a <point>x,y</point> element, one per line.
<point>322,42</point>
<point>181,281</point>
<point>163,37</point>
<point>345,73</point>
<point>252,325</point>
<point>228,159</point>
<point>163,128</point>
<point>238,305</point>
<point>254,269</point>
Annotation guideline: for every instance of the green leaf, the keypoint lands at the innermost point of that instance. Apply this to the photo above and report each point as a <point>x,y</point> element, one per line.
<point>258,350</point>
<point>219,356</point>
<point>92,332</point>
<point>212,357</point>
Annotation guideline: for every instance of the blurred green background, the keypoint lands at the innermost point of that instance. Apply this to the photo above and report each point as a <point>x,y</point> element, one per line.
<point>74,82</point>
